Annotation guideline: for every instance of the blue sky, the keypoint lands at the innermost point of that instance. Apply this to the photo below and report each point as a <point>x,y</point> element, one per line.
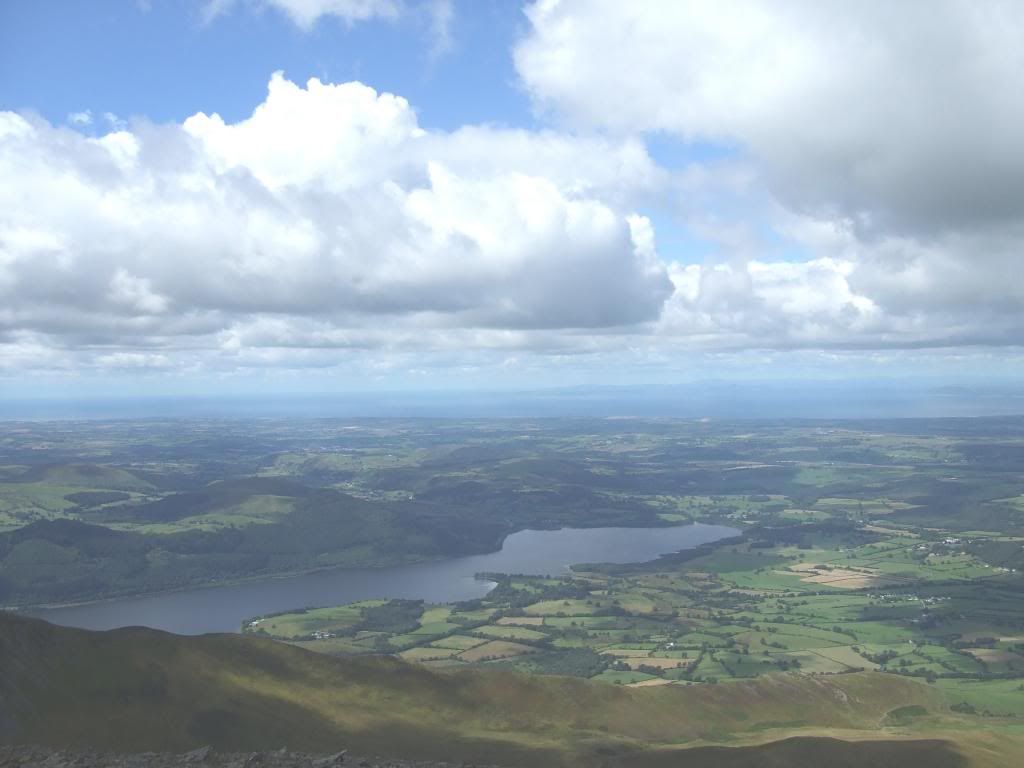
<point>162,60</point>
<point>571,192</point>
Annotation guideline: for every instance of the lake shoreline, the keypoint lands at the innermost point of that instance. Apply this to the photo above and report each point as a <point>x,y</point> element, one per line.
<point>295,573</point>
<point>222,606</point>
<point>276,575</point>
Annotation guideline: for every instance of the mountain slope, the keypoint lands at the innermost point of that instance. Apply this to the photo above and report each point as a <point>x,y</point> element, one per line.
<point>139,690</point>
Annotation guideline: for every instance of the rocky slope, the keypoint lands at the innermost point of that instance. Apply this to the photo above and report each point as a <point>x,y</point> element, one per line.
<point>205,757</point>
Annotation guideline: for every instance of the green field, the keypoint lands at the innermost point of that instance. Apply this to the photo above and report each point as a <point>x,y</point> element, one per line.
<point>721,615</point>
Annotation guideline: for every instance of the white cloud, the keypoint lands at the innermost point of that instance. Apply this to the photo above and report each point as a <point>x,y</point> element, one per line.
<point>780,304</point>
<point>80,118</point>
<point>305,13</point>
<point>135,294</point>
<point>901,116</point>
<point>871,196</point>
<point>442,17</point>
<point>885,137</point>
<point>133,361</point>
<point>437,17</point>
<point>114,122</point>
<point>330,217</point>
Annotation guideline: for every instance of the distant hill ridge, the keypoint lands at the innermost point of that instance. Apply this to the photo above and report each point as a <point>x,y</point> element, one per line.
<point>84,476</point>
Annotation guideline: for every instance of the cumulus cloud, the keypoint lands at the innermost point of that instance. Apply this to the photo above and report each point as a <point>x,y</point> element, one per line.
<point>327,218</point>
<point>305,13</point>
<point>436,16</point>
<point>80,118</point>
<point>770,304</point>
<point>901,116</point>
<point>887,135</point>
<point>865,191</point>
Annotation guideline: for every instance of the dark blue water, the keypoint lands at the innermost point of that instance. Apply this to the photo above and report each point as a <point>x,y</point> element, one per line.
<point>222,609</point>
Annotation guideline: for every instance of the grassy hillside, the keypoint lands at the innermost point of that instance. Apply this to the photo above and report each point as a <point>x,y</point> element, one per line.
<point>138,689</point>
<point>229,530</point>
<point>85,476</point>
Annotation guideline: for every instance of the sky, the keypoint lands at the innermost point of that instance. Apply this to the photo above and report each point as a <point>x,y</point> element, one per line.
<point>274,196</point>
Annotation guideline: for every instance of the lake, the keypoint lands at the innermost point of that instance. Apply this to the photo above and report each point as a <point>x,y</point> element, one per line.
<point>223,608</point>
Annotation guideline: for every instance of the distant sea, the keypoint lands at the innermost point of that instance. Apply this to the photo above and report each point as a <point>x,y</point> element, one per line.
<point>862,399</point>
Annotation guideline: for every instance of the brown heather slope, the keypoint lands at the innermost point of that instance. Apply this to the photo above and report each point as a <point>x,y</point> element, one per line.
<point>141,690</point>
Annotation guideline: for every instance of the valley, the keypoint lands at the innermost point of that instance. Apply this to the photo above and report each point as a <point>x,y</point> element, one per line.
<point>861,589</point>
